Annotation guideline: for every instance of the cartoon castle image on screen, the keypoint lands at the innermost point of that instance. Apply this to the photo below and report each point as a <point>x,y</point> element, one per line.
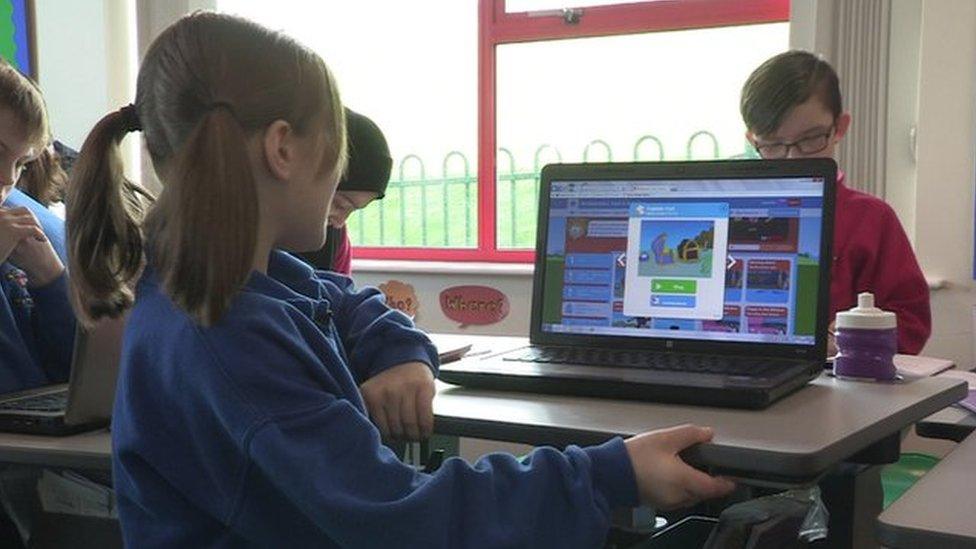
<point>689,250</point>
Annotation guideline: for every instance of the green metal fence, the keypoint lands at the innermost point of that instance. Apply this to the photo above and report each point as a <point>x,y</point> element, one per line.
<point>422,209</point>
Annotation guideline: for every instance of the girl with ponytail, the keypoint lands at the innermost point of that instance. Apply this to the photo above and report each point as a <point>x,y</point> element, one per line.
<point>253,390</point>
<point>37,325</point>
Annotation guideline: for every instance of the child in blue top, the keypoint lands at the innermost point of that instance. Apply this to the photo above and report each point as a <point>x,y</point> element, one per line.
<point>36,321</point>
<point>240,418</point>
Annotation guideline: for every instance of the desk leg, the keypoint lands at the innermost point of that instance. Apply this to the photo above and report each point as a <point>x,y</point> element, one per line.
<point>853,496</point>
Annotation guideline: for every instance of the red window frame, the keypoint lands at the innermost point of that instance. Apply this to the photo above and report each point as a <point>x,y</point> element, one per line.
<point>496,27</point>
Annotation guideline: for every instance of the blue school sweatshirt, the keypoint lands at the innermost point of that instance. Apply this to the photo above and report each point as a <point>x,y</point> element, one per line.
<point>253,433</point>
<point>37,325</point>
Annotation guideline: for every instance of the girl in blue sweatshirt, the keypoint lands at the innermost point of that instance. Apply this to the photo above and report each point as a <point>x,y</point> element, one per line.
<point>37,324</point>
<point>251,385</point>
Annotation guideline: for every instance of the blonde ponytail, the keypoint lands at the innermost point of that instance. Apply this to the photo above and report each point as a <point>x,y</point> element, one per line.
<point>206,252</point>
<point>104,214</point>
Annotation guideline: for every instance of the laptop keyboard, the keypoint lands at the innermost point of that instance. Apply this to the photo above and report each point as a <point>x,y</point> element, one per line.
<point>49,402</point>
<point>649,360</point>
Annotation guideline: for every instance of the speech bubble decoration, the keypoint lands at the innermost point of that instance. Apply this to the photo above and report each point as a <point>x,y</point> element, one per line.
<point>472,304</point>
<point>401,296</point>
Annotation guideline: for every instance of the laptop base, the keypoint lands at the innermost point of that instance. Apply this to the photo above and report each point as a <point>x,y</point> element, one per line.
<point>51,426</point>
<point>727,396</point>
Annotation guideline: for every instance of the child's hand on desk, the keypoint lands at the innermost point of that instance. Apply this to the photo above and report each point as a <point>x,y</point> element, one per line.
<point>664,481</point>
<point>400,401</point>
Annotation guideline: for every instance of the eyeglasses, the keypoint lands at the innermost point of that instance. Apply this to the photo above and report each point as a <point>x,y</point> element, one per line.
<point>807,145</point>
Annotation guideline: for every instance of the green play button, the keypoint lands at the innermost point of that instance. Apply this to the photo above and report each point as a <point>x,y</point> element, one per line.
<point>674,286</point>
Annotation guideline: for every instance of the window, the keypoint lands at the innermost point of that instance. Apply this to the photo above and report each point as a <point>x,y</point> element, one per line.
<point>476,96</point>
<point>411,67</point>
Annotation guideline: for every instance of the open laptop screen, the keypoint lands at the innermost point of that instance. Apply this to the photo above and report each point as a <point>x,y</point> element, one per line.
<point>712,259</point>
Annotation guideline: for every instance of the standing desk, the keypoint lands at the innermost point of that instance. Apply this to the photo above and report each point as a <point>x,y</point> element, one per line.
<point>937,511</point>
<point>795,442</point>
<point>89,450</point>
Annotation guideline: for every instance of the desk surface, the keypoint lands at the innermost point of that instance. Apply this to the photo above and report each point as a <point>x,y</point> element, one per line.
<point>953,423</point>
<point>91,450</point>
<point>937,510</point>
<point>797,438</point>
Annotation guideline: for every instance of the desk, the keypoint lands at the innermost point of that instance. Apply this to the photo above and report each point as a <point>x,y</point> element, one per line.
<point>953,423</point>
<point>937,510</point>
<point>820,429</point>
<point>91,450</point>
<point>797,439</point>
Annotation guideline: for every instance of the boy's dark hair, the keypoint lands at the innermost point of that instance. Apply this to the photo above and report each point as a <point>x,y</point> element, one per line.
<point>369,164</point>
<point>783,82</point>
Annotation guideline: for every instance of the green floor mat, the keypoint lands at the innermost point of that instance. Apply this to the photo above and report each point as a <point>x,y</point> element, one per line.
<point>898,477</point>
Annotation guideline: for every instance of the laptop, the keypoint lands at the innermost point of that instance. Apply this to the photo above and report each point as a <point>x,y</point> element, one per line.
<point>85,402</point>
<point>703,283</point>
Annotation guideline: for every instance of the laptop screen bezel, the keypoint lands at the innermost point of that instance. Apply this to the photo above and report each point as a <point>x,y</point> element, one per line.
<point>690,170</point>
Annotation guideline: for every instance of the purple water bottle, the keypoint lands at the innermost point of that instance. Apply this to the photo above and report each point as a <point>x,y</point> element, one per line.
<point>867,340</point>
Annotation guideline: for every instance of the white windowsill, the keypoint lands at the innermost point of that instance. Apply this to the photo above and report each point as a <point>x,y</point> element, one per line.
<point>441,267</point>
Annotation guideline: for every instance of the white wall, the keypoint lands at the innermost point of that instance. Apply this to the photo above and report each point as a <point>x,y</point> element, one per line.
<point>514,281</point>
<point>72,60</point>
<point>903,84</point>
<point>156,15</point>
<point>812,29</point>
<point>150,18</point>
<point>944,201</point>
<point>931,88</point>
<point>805,32</point>
<point>930,181</point>
<point>85,62</point>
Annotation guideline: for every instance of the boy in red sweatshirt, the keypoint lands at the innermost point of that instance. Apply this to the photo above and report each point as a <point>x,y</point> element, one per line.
<point>791,106</point>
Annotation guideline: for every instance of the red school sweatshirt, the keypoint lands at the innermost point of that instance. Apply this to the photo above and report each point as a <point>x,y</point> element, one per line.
<point>342,260</point>
<point>873,254</point>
